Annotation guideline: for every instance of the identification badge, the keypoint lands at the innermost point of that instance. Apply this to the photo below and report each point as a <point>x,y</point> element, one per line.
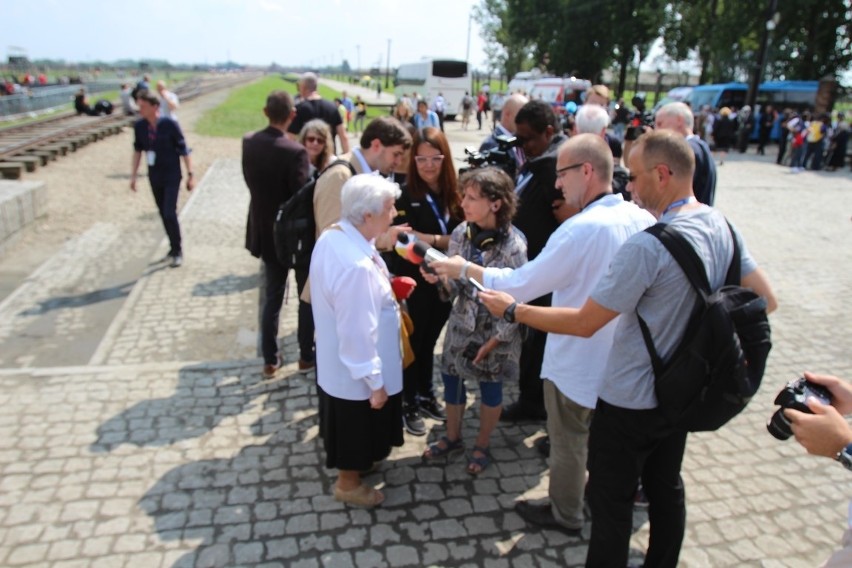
<point>152,157</point>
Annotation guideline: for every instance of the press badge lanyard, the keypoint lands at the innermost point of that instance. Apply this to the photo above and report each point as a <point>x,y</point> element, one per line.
<point>441,219</point>
<point>679,203</point>
<point>152,138</point>
<point>523,180</point>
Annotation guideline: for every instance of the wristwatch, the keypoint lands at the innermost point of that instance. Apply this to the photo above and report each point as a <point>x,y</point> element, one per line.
<point>509,314</point>
<point>844,456</point>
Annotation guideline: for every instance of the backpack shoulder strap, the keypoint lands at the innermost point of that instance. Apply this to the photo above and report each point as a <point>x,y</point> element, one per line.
<point>734,276</point>
<point>689,261</point>
<point>684,254</point>
<point>339,162</point>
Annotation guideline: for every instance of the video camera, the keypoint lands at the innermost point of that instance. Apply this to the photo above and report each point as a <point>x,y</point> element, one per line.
<point>500,157</point>
<point>641,119</point>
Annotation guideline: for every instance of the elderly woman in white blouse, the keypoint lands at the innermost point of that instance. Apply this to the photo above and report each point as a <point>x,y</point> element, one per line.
<point>359,359</point>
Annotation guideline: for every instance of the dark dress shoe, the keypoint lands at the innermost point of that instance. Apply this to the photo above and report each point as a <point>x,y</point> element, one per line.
<point>522,412</point>
<point>542,516</point>
<point>543,446</point>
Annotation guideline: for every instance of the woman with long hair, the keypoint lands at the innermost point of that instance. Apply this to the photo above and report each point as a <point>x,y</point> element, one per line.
<point>315,136</point>
<point>430,205</point>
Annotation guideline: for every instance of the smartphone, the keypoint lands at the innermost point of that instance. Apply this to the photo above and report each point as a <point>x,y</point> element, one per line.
<point>476,284</point>
<point>470,350</point>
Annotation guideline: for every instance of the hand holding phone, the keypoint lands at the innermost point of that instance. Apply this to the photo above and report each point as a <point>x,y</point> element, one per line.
<point>476,284</point>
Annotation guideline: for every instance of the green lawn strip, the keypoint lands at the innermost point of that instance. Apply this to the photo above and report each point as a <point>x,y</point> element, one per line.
<point>243,110</point>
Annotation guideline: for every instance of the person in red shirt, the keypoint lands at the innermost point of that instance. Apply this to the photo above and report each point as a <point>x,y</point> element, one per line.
<point>481,104</point>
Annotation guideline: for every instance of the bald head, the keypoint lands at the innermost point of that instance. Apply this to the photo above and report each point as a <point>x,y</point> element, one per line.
<point>589,148</point>
<point>675,116</point>
<point>510,109</point>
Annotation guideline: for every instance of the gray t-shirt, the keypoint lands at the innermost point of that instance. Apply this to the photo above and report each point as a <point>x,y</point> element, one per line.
<point>643,276</point>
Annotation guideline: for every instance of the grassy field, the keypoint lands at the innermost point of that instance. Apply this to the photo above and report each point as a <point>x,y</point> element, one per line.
<point>243,110</point>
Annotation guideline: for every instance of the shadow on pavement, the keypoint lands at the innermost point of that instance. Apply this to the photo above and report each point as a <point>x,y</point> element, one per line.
<point>80,300</point>
<point>224,285</point>
<point>202,400</point>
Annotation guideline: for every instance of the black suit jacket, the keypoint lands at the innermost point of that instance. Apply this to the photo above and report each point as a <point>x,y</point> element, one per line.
<point>274,168</point>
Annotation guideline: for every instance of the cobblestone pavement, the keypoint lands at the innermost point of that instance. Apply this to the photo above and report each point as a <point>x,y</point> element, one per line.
<point>166,447</point>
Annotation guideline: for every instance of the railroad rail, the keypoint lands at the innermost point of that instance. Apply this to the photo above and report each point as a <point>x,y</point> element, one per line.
<point>28,146</point>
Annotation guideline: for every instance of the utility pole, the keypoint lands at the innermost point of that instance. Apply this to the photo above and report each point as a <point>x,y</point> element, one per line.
<point>387,70</point>
<point>358,48</point>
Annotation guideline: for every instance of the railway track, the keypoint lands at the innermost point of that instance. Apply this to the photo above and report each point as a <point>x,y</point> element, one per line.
<point>26,147</point>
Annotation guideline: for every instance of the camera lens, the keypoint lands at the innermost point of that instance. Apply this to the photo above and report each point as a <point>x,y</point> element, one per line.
<point>779,426</point>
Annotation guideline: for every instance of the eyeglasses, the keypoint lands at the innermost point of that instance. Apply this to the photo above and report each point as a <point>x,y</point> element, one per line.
<point>314,140</point>
<point>560,172</point>
<point>433,160</point>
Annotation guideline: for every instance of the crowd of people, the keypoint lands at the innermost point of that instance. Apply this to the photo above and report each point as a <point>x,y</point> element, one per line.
<point>806,140</point>
<point>540,272</point>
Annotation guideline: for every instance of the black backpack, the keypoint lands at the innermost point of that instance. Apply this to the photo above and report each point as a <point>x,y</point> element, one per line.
<point>719,363</point>
<point>295,228</point>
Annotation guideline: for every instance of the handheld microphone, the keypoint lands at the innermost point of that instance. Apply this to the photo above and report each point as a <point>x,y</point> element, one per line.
<point>428,253</point>
<point>404,247</point>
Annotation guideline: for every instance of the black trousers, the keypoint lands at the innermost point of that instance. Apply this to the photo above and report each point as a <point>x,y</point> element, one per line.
<point>305,333</point>
<point>275,275</point>
<point>166,196</point>
<point>429,315</point>
<point>624,446</point>
<point>531,389</point>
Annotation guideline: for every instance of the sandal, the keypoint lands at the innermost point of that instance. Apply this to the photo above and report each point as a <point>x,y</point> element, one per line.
<point>449,447</point>
<point>478,462</point>
<point>362,496</point>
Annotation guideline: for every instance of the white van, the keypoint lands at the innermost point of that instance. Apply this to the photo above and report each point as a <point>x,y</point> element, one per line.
<point>559,90</point>
<point>524,81</point>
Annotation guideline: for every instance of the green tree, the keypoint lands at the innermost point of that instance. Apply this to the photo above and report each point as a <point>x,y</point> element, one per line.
<point>504,52</point>
<point>811,39</point>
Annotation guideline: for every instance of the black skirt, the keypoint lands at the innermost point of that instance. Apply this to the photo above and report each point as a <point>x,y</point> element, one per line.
<point>354,434</point>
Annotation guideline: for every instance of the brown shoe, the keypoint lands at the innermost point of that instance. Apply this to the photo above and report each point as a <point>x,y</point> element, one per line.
<point>306,365</point>
<point>362,496</point>
<point>272,368</point>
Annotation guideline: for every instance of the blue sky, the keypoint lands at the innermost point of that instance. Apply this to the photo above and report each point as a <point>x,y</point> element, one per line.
<point>315,32</point>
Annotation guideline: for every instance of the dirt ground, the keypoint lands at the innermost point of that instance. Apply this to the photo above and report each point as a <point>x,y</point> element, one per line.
<point>93,185</point>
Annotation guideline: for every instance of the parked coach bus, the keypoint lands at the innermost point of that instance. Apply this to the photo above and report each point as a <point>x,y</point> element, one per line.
<point>429,77</point>
<point>798,95</point>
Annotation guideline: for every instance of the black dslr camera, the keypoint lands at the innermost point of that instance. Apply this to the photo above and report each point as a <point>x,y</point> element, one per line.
<point>794,395</point>
<point>500,156</point>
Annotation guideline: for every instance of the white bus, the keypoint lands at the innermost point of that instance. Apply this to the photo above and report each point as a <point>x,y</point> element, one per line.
<point>429,77</point>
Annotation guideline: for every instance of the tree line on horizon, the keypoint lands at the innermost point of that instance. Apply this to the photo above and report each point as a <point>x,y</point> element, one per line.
<point>808,39</point>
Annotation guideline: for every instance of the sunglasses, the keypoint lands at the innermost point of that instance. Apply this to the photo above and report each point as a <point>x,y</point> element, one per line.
<point>632,177</point>
<point>314,140</point>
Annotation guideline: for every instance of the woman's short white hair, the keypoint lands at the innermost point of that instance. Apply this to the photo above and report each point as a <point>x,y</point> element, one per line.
<point>365,193</point>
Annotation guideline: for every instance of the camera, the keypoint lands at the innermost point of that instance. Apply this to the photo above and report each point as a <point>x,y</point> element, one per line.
<point>793,395</point>
<point>500,156</point>
<point>639,124</point>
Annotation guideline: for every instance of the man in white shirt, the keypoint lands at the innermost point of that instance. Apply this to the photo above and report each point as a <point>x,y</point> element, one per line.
<point>169,101</point>
<point>575,257</point>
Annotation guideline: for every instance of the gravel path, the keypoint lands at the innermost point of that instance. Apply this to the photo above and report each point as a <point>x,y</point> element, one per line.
<point>92,185</point>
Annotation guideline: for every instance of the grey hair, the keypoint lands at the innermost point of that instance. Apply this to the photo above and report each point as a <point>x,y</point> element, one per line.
<point>681,110</point>
<point>592,119</point>
<point>365,193</point>
<point>309,80</point>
